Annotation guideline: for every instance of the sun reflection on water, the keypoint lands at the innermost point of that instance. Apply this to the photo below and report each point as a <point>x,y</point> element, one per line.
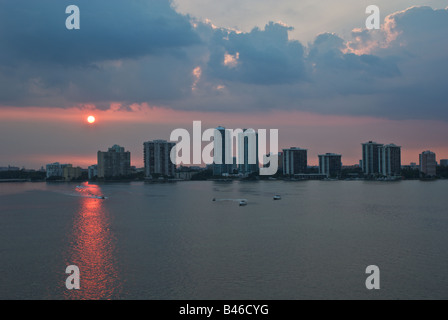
<point>93,249</point>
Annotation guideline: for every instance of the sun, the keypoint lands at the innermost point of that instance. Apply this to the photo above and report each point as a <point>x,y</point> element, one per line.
<point>91,119</point>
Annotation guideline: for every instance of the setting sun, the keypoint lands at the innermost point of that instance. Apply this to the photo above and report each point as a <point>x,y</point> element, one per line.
<point>91,119</point>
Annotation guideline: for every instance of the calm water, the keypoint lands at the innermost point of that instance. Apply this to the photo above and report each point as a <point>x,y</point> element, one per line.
<point>172,242</point>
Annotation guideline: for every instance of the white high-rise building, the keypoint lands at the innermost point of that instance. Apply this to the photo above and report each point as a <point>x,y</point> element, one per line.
<point>370,158</point>
<point>248,161</point>
<point>223,155</point>
<point>389,159</point>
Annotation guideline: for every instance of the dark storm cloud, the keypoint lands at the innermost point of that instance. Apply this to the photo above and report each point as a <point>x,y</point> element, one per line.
<point>125,51</point>
<point>398,72</point>
<point>265,57</point>
<point>144,51</point>
<point>114,29</point>
<point>327,57</point>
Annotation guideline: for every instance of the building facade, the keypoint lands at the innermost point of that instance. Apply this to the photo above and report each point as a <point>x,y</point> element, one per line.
<point>389,159</point>
<point>92,172</point>
<point>9,168</point>
<point>223,157</point>
<point>370,157</point>
<point>56,170</point>
<point>330,164</point>
<point>295,161</point>
<point>444,162</point>
<point>70,173</point>
<point>428,163</point>
<point>114,163</point>
<point>157,158</point>
<point>248,161</point>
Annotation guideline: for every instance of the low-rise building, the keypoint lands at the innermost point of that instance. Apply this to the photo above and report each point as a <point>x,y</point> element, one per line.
<point>71,173</point>
<point>56,170</point>
<point>93,172</point>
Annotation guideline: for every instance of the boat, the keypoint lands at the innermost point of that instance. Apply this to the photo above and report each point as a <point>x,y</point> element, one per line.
<point>277,197</point>
<point>243,203</point>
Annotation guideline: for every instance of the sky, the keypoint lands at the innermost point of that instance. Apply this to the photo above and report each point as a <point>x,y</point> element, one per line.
<point>146,67</point>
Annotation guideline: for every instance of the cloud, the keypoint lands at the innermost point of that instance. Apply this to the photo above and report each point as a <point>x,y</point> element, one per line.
<point>146,52</point>
<point>124,51</point>
<point>416,39</point>
<point>395,73</point>
<point>262,57</point>
<point>35,31</point>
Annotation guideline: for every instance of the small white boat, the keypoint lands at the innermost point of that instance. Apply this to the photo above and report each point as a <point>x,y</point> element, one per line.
<point>243,203</point>
<point>277,197</point>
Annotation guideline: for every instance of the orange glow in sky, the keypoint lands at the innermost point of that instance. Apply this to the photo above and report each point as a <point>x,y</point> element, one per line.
<point>129,127</point>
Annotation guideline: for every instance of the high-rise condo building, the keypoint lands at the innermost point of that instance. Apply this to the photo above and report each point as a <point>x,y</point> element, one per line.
<point>295,161</point>
<point>248,152</point>
<point>428,163</point>
<point>330,164</point>
<point>389,159</point>
<point>114,163</point>
<point>157,158</point>
<point>223,157</point>
<point>370,157</point>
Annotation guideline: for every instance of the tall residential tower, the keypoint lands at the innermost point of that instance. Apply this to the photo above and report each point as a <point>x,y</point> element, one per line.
<point>330,164</point>
<point>157,158</point>
<point>114,163</point>
<point>389,160</point>
<point>370,158</point>
<point>295,161</point>
<point>428,164</point>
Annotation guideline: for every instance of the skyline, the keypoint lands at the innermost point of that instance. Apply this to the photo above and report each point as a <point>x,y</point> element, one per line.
<point>280,150</point>
<point>327,90</point>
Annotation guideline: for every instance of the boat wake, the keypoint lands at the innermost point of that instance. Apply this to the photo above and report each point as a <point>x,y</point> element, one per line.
<point>85,192</point>
<point>229,200</point>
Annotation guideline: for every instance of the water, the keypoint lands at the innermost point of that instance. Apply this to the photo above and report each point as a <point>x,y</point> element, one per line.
<point>171,241</point>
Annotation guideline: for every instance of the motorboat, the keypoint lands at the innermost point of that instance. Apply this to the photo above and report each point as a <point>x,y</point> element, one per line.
<point>277,197</point>
<point>243,203</point>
